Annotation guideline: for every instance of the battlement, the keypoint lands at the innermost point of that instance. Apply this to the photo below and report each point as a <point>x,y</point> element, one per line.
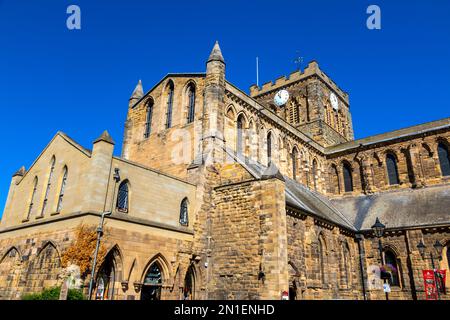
<point>311,69</point>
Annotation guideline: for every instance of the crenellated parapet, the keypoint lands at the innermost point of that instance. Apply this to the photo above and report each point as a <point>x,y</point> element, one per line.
<point>311,70</point>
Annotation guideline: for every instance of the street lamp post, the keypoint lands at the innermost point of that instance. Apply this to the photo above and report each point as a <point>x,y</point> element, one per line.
<point>378,229</point>
<point>438,248</point>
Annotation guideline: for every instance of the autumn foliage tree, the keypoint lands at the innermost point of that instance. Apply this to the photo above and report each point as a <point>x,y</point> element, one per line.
<point>81,251</point>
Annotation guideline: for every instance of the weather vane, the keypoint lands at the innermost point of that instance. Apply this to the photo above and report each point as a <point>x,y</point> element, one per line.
<point>298,60</point>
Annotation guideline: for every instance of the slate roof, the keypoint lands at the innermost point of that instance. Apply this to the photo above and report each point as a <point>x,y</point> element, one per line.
<point>391,135</point>
<point>398,209</point>
<point>297,195</point>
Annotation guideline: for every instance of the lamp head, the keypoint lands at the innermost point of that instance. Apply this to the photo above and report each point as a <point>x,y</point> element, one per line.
<point>378,228</point>
<point>421,246</point>
<point>116,175</point>
<point>438,247</point>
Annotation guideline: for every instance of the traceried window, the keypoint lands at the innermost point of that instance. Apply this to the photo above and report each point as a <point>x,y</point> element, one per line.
<point>191,108</point>
<point>391,165</point>
<point>348,180</point>
<point>184,218</point>
<point>49,183</point>
<point>123,197</point>
<point>61,191</point>
<point>148,119</point>
<point>240,134</point>
<point>33,193</point>
<point>153,275</point>
<point>151,287</point>
<point>444,159</point>
<point>169,105</point>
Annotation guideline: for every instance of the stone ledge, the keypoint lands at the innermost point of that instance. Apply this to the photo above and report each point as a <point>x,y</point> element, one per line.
<point>114,216</point>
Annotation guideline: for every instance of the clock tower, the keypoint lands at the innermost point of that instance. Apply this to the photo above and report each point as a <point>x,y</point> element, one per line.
<point>311,102</point>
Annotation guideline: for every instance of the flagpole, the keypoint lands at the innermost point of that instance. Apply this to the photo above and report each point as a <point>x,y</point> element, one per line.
<point>257,71</point>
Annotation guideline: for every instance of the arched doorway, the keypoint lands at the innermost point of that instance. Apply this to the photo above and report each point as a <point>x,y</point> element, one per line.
<point>189,284</point>
<point>293,291</point>
<point>151,287</point>
<point>108,276</point>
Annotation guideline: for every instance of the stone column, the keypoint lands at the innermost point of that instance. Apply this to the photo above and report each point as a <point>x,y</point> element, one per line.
<point>416,165</point>
<point>341,179</point>
<point>367,184</point>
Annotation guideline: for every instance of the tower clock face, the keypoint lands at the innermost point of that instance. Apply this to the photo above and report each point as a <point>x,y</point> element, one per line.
<point>334,101</point>
<point>281,97</point>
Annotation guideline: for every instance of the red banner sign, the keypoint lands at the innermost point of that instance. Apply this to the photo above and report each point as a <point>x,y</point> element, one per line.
<point>430,285</point>
<point>430,281</point>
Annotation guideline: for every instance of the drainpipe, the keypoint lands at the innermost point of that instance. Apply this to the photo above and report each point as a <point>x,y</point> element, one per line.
<point>360,239</point>
<point>116,178</point>
<point>99,236</point>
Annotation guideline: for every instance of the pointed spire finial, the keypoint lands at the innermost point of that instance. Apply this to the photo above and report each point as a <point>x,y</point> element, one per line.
<point>105,137</point>
<point>138,91</point>
<point>216,53</point>
<point>20,172</point>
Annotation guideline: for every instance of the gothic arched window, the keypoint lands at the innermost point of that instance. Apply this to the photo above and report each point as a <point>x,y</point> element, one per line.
<point>444,159</point>
<point>184,217</point>
<point>123,197</point>
<point>191,108</point>
<point>61,191</point>
<point>33,193</point>
<point>151,288</point>
<point>49,183</point>
<point>294,163</point>
<point>391,260</point>
<point>348,180</point>
<point>269,147</point>
<point>240,134</point>
<point>391,165</point>
<point>148,119</point>
<point>170,88</point>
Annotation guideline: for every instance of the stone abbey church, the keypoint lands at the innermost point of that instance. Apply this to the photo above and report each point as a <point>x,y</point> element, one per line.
<point>220,194</point>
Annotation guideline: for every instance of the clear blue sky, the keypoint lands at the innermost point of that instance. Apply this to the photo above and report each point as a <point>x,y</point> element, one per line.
<point>79,82</point>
